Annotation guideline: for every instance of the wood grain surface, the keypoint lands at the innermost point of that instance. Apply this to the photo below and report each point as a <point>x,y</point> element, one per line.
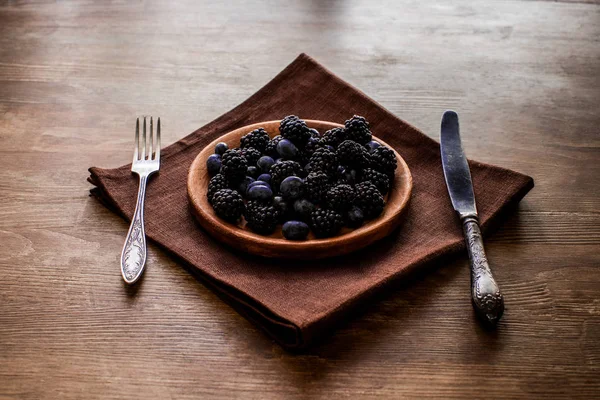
<point>525,78</point>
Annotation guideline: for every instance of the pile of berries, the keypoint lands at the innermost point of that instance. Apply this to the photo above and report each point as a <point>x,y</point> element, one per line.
<point>302,179</point>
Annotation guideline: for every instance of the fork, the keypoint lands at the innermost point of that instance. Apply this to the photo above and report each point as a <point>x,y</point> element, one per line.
<point>145,163</point>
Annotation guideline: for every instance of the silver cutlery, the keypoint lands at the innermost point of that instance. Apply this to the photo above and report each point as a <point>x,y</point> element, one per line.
<point>485,293</point>
<point>146,161</point>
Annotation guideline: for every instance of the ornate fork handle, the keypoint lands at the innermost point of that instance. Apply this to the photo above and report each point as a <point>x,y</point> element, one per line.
<point>133,256</point>
<point>487,299</point>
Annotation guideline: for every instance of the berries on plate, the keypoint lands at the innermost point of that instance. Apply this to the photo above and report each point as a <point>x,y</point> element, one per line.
<point>334,137</point>
<point>368,199</point>
<point>355,217</point>
<point>286,149</point>
<point>340,198</point>
<point>295,230</point>
<point>215,184</point>
<point>316,185</point>
<point>259,192</point>
<point>325,223</point>
<point>234,165</point>
<point>352,154</point>
<point>295,130</point>
<point>265,178</point>
<point>251,155</point>
<point>379,179</point>
<point>258,139</point>
<point>291,188</point>
<point>323,160</point>
<point>243,186</point>
<point>228,204</point>
<point>221,148</point>
<point>358,130</point>
<point>271,148</point>
<point>303,208</point>
<point>283,169</point>
<point>300,180</point>
<point>261,217</point>
<point>213,164</point>
<point>384,160</point>
<point>264,163</point>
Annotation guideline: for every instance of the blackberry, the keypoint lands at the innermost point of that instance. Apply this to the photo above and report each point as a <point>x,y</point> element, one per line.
<point>340,198</point>
<point>369,199</point>
<point>325,223</point>
<point>251,155</point>
<point>314,133</point>
<point>261,217</point>
<point>380,180</point>
<point>346,176</point>
<point>228,204</point>
<point>384,160</point>
<point>258,138</point>
<point>334,137</point>
<point>352,154</point>
<point>234,165</point>
<point>215,184</point>
<point>282,170</point>
<point>357,129</point>
<point>271,148</point>
<point>324,160</point>
<point>303,157</point>
<point>295,130</point>
<point>312,145</point>
<point>316,185</point>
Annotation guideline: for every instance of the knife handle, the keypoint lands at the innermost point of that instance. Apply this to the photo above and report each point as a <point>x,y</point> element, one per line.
<point>487,299</point>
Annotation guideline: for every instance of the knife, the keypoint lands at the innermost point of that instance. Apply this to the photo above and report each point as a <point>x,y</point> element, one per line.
<point>485,293</point>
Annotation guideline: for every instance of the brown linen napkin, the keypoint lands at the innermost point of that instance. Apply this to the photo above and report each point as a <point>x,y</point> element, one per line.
<point>295,302</point>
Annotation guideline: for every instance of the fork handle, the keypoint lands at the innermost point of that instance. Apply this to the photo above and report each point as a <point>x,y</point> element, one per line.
<point>133,256</point>
<point>485,293</point>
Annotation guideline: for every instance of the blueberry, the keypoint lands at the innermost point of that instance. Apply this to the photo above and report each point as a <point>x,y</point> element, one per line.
<point>303,208</point>
<point>264,163</point>
<point>282,206</point>
<point>350,176</point>
<point>265,178</point>
<point>355,217</point>
<point>315,133</point>
<point>252,171</point>
<point>221,148</point>
<point>258,183</point>
<point>259,192</point>
<point>243,187</point>
<point>295,230</point>
<point>213,164</point>
<point>372,145</point>
<point>330,148</point>
<point>287,149</point>
<point>292,187</point>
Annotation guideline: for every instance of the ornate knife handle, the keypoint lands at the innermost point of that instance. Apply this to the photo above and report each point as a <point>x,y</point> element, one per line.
<point>133,256</point>
<point>487,299</point>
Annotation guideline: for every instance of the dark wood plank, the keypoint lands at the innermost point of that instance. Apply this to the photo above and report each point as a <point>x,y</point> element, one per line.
<point>525,77</point>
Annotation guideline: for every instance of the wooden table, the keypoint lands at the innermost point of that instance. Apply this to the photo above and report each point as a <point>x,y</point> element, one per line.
<point>525,77</point>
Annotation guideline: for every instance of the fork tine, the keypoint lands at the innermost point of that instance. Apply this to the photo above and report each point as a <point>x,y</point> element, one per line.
<point>144,141</point>
<point>151,140</point>
<point>157,149</point>
<point>137,139</point>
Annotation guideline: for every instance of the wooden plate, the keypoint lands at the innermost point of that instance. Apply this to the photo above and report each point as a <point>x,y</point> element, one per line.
<point>242,238</point>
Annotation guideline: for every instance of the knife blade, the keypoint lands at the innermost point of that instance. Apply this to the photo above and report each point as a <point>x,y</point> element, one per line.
<point>456,169</point>
<point>487,300</point>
